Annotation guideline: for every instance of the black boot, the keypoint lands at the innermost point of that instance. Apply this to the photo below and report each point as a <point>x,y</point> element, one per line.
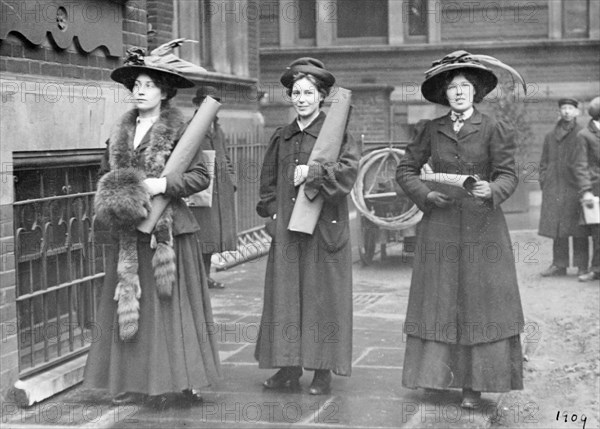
<point>321,383</point>
<point>288,376</point>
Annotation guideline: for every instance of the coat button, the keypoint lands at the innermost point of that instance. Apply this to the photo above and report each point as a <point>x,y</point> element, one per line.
<point>296,161</point>
<point>293,199</point>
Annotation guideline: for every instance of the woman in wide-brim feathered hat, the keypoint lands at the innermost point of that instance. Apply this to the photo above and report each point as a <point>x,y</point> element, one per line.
<point>155,306</point>
<point>307,314</point>
<point>464,312</point>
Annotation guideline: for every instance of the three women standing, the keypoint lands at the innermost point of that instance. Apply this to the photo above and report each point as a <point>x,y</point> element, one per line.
<point>464,312</point>
<point>307,314</point>
<point>155,308</point>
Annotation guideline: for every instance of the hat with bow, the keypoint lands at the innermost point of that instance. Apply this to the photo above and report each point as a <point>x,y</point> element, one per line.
<point>434,86</point>
<point>160,60</point>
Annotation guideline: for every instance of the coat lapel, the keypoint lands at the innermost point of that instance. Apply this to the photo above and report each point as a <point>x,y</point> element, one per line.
<point>470,126</point>
<point>447,127</point>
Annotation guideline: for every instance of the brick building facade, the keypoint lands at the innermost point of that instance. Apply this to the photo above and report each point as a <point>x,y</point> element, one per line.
<point>381,44</point>
<point>58,105</point>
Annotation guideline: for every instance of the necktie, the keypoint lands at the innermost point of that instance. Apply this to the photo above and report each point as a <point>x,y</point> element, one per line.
<point>458,119</point>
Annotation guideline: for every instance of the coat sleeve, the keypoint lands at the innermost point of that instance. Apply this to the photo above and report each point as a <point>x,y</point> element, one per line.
<point>267,204</point>
<point>194,179</point>
<point>408,171</point>
<point>580,166</point>
<point>334,180</point>
<point>503,176</point>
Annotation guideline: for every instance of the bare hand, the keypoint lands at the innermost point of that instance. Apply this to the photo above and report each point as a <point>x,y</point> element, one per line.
<point>482,189</point>
<point>300,174</point>
<point>439,199</point>
<point>155,186</point>
<point>588,199</point>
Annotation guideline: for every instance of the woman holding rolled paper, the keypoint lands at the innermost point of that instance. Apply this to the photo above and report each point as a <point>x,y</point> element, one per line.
<point>307,314</point>
<point>153,345</point>
<point>464,312</point>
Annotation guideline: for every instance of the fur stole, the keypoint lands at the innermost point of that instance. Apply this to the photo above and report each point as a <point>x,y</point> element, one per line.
<point>123,202</point>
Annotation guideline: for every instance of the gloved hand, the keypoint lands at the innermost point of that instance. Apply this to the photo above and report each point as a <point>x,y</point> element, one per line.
<point>588,199</point>
<point>155,186</point>
<point>482,189</point>
<point>439,199</point>
<point>300,174</point>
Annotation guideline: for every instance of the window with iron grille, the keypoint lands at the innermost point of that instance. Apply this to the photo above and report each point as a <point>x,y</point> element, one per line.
<point>59,264</point>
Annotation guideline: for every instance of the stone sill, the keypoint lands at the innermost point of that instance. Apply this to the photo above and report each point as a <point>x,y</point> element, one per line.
<point>49,383</point>
<point>450,45</point>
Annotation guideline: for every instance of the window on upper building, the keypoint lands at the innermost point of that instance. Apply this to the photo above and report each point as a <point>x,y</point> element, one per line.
<point>416,11</point>
<point>575,19</point>
<point>307,19</point>
<point>362,19</point>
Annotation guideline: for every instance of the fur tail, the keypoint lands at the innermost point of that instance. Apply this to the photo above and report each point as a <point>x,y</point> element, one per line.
<point>128,290</point>
<point>165,270</point>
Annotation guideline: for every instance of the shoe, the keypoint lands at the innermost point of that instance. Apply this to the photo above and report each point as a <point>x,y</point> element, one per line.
<point>288,376</point>
<point>553,271</point>
<point>470,399</point>
<point>321,383</point>
<point>159,402</point>
<point>128,398</point>
<point>589,277</point>
<point>192,396</point>
<point>212,284</point>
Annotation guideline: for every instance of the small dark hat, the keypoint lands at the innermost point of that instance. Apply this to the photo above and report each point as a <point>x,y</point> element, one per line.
<point>433,88</point>
<point>310,66</point>
<point>160,60</point>
<point>203,92</point>
<point>570,101</point>
<point>594,108</point>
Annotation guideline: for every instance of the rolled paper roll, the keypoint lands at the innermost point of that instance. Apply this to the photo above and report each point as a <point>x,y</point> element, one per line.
<point>306,211</point>
<point>182,156</point>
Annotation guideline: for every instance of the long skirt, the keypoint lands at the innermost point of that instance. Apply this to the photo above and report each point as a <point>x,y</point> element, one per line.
<point>174,348</point>
<point>486,367</point>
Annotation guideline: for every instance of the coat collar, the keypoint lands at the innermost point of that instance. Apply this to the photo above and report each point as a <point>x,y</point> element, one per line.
<point>313,129</point>
<point>158,141</point>
<point>470,126</point>
<point>593,129</point>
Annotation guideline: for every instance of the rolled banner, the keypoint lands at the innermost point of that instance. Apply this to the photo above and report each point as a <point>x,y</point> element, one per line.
<point>182,156</point>
<point>326,149</point>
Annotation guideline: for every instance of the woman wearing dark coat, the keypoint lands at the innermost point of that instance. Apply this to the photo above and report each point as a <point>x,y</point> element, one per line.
<point>152,316</point>
<point>464,312</point>
<point>561,210</point>
<point>586,169</point>
<point>307,313</point>
<point>217,223</point>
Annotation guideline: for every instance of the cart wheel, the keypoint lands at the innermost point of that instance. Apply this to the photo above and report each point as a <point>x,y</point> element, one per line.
<point>366,248</point>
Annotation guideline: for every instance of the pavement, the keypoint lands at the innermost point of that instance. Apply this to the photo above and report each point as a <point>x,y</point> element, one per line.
<point>372,397</point>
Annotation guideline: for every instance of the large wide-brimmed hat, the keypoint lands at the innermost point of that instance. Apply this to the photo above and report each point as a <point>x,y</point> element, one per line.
<point>310,66</point>
<point>161,61</point>
<point>434,86</point>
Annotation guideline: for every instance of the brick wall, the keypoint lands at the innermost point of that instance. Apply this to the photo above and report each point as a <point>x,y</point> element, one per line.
<point>160,16</point>
<point>31,67</point>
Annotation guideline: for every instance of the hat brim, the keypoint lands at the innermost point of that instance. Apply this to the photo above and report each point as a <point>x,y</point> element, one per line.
<point>433,88</point>
<point>126,75</point>
<point>287,78</point>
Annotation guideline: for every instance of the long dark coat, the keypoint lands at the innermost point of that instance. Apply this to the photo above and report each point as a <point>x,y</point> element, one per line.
<point>307,313</point>
<point>217,223</point>
<point>586,167</point>
<point>174,348</point>
<point>464,285</point>
<point>561,210</point>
